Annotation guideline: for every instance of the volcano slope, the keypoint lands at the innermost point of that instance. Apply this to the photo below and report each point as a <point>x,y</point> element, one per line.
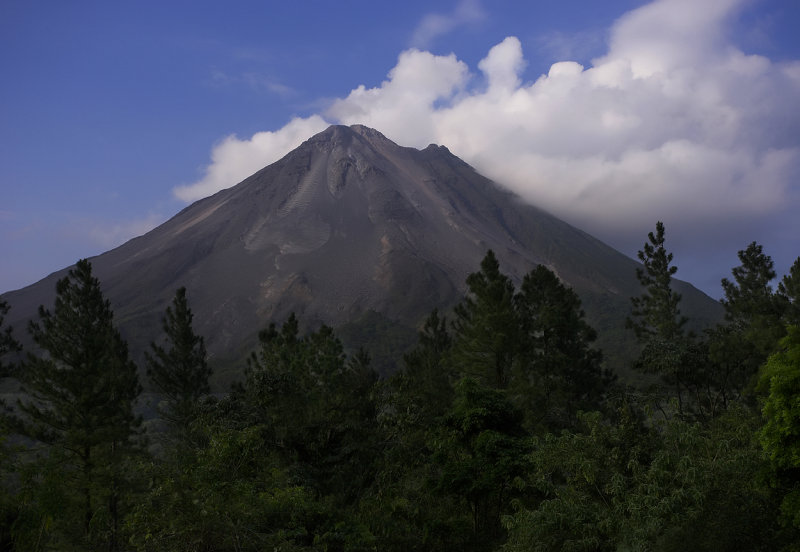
<point>351,230</point>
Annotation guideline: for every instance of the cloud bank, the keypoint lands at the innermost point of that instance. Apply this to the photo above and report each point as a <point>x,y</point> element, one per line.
<point>673,123</point>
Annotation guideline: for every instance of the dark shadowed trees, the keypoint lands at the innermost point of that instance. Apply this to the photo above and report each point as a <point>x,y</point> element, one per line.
<point>423,389</point>
<point>557,373</point>
<point>480,451</point>
<point>754,321</point>
<point>750,302</point>
<point>82,392</point>
<point>534,344</point>
<point>8,344</point>
<point>9,508</point>
<point>317,405</point>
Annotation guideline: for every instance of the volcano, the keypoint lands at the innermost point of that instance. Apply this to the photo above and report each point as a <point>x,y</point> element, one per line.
<point>347,227</point>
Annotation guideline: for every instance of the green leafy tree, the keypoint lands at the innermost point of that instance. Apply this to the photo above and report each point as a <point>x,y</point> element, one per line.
<point>633,483</point>
<point>179,370</point>
<point>480,452</point>
<point>780,436</point>
<point>485,329</point>
<point>82,391</point>
<point>232,495</point>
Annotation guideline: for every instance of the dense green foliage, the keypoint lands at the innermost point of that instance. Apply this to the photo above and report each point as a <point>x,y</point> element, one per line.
<point>81,397</point>
<point>503,431</point>
<point>780,436</point>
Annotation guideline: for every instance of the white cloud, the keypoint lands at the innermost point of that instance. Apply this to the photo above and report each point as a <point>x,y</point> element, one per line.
<point>405,103</point>
<point>671,35</point>
<point>673,123</point>
<point>434,25</point>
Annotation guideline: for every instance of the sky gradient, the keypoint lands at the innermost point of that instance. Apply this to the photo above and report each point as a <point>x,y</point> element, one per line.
<point>611,115</point>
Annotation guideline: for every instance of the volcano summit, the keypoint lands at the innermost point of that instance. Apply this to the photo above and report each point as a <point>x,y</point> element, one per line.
<point>349,223</point>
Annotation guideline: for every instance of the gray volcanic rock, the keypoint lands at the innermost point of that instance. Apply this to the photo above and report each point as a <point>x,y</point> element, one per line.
<point>346,224</point>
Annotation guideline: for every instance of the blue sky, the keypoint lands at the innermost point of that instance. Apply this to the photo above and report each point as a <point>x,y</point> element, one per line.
<point>612,115</point>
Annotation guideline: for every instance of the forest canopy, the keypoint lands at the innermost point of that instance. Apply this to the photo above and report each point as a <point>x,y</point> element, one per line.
<point>505,429</point>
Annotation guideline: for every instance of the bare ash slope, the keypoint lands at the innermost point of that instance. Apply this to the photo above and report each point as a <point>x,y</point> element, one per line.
<point>347,223</point>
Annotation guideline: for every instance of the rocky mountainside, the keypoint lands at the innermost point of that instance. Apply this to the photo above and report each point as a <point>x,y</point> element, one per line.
<point>347,226</point>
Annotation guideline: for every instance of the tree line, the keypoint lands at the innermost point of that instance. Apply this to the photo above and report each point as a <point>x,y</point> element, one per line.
<point>504,430</point>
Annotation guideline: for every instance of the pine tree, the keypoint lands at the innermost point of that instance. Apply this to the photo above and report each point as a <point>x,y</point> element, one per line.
<point>486,327</point>
<point>656,313</point>
<point>82,391</point>
<point>558,371</point>
<point>753,311</point>
<point>433,341</point>
<point>315,404</point>
<point>423,387</point>
<point>750,297</point>
<point>179,369</point>
<point>667,350</point>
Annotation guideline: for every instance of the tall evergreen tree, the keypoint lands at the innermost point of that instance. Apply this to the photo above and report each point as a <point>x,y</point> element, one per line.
<point>558,372</point>
<point>754,314</point>
<point>749,298</point>
<point>179,369</point>
<point>432,343</point>
<point>486,327</point>
<point>81,397</point>
<point>316,404</point>
<point>424,384</point>
<point>656,313</point>
<point>667,350</point>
